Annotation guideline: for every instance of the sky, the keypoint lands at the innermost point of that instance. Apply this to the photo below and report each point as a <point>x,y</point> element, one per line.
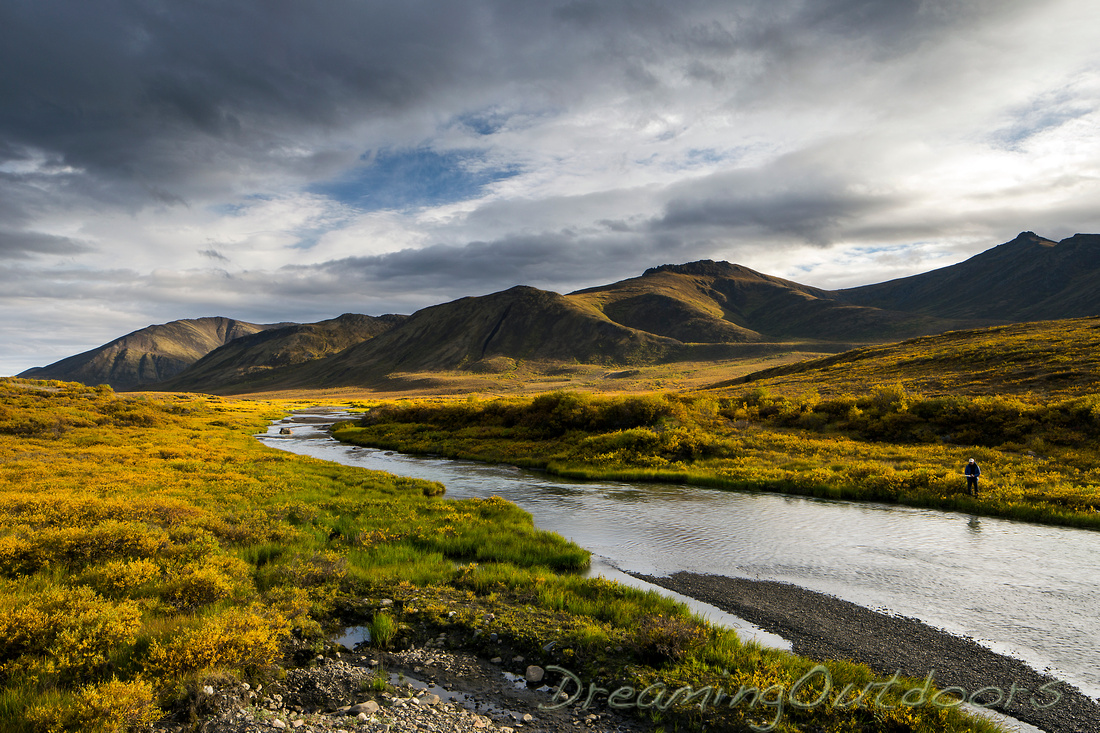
<point>279,160</point>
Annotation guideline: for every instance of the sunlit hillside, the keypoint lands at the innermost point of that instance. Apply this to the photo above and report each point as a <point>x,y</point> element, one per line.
<point>1043,358</point>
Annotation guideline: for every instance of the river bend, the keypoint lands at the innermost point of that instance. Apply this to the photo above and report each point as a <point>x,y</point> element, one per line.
<point>1025,590</point>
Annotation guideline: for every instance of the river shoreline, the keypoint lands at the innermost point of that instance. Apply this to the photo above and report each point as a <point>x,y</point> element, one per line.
<point>846,631</point>
<point>826,628</point>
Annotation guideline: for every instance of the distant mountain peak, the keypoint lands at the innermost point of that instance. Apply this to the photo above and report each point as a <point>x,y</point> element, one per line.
<point>1032,238</point>
<point>704,268</point>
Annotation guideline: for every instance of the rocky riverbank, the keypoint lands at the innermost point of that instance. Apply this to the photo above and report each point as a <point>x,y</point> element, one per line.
<point>826,628</point>
<point>432,685</point>
<point>430,690</point>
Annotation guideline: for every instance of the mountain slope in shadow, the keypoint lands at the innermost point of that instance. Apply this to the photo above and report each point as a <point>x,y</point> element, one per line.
<point>249,356</point>
<point>519,323</point>
<point>150,355</point>
<point>1027,279</point>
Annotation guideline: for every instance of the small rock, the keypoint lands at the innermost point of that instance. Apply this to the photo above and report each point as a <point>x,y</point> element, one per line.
<point>535,673</point>
<point>431,699</point>
<point>496,660</point>
<point>386,602</point>
<point>278,723</point>
<point>297,723</point>
<point>363,717</point>
<point>370,707</point>
<point>481,721</point>
<point>208,689</point>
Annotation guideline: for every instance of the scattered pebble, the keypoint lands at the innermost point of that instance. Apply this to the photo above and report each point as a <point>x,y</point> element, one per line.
<point>331,697</point>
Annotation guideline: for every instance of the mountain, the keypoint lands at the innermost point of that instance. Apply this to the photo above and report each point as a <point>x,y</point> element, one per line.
<point>710,302</point>
<point>480,334</point>
<point>250,356</point>
<point>1027,279</point>
<point>703,311</point>
<point>152,354</point>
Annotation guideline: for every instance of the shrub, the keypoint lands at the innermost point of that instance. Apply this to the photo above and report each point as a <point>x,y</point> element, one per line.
<point>658,638</point>
<point>119,578</point>
<point>109,707</point>
<point>63,633</point>
<point>240,638</point>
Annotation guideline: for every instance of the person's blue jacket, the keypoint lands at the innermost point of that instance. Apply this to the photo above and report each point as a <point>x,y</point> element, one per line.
<point>973,470</point>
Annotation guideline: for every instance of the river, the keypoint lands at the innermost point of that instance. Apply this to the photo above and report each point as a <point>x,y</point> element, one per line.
<point>1025,590</point>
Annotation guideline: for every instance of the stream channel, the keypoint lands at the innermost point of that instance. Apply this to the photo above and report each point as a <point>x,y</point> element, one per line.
<point>1024,590</point>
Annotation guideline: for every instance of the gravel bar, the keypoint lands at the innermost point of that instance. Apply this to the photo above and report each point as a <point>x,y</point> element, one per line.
<point>825,628</point>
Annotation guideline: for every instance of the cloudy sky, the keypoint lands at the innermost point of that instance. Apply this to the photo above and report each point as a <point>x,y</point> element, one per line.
<point>283,160</point>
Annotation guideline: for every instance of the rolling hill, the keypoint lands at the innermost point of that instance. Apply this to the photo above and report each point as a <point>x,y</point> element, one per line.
<point>1039,358</point>
<point>150,355</point>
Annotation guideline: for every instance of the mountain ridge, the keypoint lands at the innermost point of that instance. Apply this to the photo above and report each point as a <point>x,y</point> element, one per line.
<point>1029,278</point>
<point>149,355</point>
<point>699,310</point>
<point>274,348</point>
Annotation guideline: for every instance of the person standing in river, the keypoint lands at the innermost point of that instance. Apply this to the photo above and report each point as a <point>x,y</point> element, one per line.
<point>972,473</point>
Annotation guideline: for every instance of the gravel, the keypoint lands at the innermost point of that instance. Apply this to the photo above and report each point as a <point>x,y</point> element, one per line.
<point>825,628</point>
<point>432,690</point>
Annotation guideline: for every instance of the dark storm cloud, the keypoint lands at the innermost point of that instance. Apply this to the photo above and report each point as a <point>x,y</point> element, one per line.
<point>805,197</point>
<point>22,244</point>
<point>158,91</point>
<point>736,204</point>
<point>560,261</point>
<point>474,265</point>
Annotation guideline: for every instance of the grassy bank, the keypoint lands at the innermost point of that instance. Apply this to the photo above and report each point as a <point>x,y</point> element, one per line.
<point>1039,458</point>
<point>149,544</point>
